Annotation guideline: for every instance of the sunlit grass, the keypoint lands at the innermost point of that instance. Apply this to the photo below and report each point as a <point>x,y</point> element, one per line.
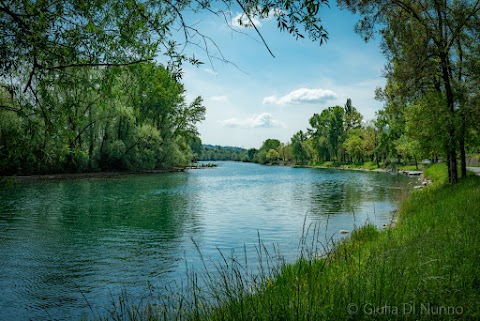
<point>411,167</point>
<point>438,173</point>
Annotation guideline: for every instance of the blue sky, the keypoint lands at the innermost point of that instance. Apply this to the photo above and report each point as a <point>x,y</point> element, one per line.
<point>259,97</point>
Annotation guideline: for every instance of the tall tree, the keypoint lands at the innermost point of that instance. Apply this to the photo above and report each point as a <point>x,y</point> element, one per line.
<point>327,131</point>
<point>425,42</point>
<point>299,148</point>
<point>353,119</point>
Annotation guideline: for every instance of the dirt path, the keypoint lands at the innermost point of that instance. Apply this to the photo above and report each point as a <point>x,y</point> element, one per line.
<point>476,170</point>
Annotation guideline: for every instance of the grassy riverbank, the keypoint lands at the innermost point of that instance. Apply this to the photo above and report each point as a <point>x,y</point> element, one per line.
<point>369,166</point>
<point>426,268</point>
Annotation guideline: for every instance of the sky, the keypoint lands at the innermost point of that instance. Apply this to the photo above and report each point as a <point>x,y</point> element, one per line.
<point>257,96</point>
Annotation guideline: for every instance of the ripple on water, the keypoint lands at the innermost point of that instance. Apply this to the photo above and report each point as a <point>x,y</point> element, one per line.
<point>70,247</point>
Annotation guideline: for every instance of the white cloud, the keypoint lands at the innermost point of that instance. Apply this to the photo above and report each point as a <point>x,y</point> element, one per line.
<point>264,120</point>
<point>302,96</point>
<point>241,21</point>
<point>221,99</point>
<point>246,23</point>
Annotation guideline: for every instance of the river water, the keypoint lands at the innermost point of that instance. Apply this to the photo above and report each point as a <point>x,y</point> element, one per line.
<point>69,247</point>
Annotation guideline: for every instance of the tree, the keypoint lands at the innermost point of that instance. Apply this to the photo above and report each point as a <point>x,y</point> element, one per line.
<point>354,147</point>
<point>370,142</point>
<point>44,36</point>
<point>428,43</point>
<point>327,131</point>
<point>272,156</point>
<point>119,118</point>
<point>353,119</point>
<point>424,120</point>
<point>299,148</point>
<point>408,148</point>
<point>270,144</point>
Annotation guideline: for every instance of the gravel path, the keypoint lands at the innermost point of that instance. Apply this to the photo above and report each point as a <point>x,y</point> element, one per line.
<point>476,170</point>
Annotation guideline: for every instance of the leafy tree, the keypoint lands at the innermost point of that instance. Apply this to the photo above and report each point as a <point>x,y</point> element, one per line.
<point>354,147</point>
<point>299,148</point>
<point>129,118</point>
<point>370,142</point>
<point>327,132</point>
<point>353,119</point>
<point>272,156</point>
<point>408,148</point>
<point>425,121</point>
<point>428,44</point>
<point>270,144</point>
<point>251,154</point>
<point>39,37</point>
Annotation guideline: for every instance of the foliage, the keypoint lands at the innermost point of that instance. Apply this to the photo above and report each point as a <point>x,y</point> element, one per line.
<point>224,153</point>
<point>67,106</point>
<point>43,36</point>
<point>130,118</point>
<point>431,47</point>
<point>299,147</point>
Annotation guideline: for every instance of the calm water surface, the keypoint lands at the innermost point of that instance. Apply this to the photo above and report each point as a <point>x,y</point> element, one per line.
<point>68,247</point>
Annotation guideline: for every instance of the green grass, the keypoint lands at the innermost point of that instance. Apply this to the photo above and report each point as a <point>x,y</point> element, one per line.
<point>410,167</point>
<point>365,165</point>
<point>425,268</point>
<point>438,173</point>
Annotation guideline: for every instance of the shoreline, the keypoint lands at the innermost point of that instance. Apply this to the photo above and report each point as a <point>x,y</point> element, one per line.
<point>424,181</point>
<point>86,175</point>
<point>376,170</point>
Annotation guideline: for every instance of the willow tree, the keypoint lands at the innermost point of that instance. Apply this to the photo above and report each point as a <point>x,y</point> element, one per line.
<point>427,43</point>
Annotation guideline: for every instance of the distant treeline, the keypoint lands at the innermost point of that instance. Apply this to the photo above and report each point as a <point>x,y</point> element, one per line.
<point>400,135</point>
<point>267,154</point>
<point>221,153</point>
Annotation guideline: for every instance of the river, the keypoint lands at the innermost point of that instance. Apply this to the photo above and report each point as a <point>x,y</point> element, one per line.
<point>69,247</point>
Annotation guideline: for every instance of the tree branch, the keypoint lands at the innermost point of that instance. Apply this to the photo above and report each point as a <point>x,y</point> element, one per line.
<point>96,64</point>
<point>255,27</point>
<point>10,108</point>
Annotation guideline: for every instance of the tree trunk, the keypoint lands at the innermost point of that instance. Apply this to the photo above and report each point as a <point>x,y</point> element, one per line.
<point>451,144</point>
<point>463,114</point>
<point>463,156</point>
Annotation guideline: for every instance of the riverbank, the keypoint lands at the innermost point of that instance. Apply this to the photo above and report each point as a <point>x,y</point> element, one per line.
<point>367,166</point>
<point>425,268</point>
<point>371,167</point>
<point>346,167</point>
<point>87,175</point>
<point>100,175</point>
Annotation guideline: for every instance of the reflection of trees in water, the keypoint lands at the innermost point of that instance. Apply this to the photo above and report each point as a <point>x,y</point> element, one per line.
<point>89,236</point>
<point>328,197</point>
<point>350,191</point>
<point>140,202</point>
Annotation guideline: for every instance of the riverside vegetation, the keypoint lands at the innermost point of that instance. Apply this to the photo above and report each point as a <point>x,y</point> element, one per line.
<point>426,267</point>
<point>79,91</point>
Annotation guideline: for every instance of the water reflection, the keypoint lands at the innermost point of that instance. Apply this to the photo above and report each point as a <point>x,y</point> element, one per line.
<point>67,246</point>
<point>64,241</point>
